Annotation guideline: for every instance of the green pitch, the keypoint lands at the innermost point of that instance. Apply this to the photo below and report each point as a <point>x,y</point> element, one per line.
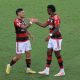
<point>69,10</point>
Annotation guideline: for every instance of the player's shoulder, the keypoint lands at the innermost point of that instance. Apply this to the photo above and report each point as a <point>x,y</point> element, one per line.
<point>56,16</point>
<point>16,20</point>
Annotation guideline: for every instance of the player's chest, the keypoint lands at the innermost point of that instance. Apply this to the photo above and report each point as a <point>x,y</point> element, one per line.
<point>51,23</point>
<point>22,29</point>
<point>22,22</point>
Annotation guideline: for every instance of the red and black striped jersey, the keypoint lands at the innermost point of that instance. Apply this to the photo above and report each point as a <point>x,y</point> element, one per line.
<point>21,33</point>
<point>53,22</point>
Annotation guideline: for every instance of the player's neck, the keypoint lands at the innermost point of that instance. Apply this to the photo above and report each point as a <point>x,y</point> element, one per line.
<point>53,14</point>
<point>19,17</point>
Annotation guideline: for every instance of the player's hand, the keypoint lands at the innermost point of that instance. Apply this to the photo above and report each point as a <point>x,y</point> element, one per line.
<point>47,38</point>
<point>34,20</point>
<point>32,37</point>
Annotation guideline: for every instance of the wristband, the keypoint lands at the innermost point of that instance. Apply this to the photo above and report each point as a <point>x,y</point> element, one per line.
<point>30,22</point>
<point>50,34</point>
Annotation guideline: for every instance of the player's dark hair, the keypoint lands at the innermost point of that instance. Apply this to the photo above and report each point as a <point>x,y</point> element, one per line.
<point>18,10</point>
<point>52,7</point>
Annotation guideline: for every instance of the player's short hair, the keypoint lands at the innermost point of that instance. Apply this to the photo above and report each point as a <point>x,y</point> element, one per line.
<point>52,7</point>
<point>18,10</point>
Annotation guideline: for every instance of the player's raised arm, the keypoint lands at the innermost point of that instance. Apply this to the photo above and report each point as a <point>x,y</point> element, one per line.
<point>45,24</point>
<point>36,21</point>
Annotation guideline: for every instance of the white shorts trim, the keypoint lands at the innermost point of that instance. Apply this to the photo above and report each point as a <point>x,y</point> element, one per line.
<point>55,44</point>
<point>22,47</point>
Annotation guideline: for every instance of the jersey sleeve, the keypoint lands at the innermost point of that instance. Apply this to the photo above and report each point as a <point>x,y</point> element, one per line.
<point>56,21</point>
<point>17,23</point>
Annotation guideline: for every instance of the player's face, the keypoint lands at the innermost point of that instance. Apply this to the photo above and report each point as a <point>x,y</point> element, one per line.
<point>49,11</point>
<point>21,14</point>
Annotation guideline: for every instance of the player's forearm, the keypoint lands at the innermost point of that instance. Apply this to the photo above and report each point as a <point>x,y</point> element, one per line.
<point>55,30</point>
<point>41,25</point>
<point>29,24</point>
<point>29,34</point>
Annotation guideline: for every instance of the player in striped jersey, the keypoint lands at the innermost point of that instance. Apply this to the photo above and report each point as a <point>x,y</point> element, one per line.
<point>54,40</point>
<point>23,44</point>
